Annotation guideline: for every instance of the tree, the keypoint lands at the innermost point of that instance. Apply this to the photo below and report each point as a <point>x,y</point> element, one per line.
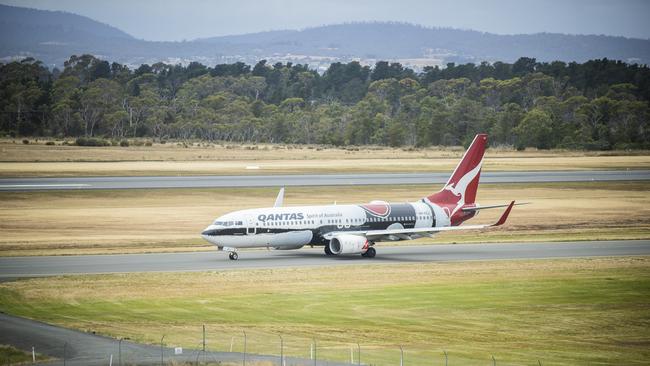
<point>506,120</point>
<point>535,130</point>
<point>65,98</point>
<point>87,68</point>
<point>101,98</point>
<point>24,96</point>
<point>523,66</point>
<point>599,104</point>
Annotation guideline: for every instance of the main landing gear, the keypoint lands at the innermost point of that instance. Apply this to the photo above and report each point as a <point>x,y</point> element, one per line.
<point>233,256</point>
<point>370,253</point>
<point>328,251</point>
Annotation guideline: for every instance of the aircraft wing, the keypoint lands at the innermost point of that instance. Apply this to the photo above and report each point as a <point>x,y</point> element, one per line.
<point>423,231</point>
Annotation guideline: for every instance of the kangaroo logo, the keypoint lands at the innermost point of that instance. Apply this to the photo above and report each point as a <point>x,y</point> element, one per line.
<point>458,189</point>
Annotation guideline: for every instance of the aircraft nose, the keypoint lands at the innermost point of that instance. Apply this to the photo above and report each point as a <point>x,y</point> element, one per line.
<point>210,232</point>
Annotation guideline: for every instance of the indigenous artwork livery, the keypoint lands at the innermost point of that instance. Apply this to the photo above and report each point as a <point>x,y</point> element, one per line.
<point>354,229</point>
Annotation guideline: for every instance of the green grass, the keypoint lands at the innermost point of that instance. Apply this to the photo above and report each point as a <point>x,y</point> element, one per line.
<point>562,312</point>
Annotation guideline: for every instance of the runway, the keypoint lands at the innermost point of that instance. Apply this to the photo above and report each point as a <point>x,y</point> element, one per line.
<point>213,181</point>
<point>17,267</point>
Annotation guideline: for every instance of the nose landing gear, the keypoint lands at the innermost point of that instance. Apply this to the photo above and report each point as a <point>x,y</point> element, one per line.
<point>233,256</point>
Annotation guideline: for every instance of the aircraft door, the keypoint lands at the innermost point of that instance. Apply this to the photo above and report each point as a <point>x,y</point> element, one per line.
<point>250,227</point>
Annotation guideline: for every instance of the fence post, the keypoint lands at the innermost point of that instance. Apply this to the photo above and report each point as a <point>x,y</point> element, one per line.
<point>315,353</point>
<point>65,346</point>
<point>281,350</point>
<point>119,352</point>
<point>359,354</point>
<point>162,359</point>
<point>494,362</point>
<point>203,337</point>
<point>244,347</point>
<point>33,355</point>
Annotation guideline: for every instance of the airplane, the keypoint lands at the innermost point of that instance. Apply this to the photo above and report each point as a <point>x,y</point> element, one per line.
<point>354,229</point>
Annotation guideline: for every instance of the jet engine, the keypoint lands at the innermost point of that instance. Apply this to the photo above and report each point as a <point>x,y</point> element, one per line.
<point>348,244</point>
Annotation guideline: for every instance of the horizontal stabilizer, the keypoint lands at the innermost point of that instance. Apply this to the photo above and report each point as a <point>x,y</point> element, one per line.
<point>477,208</point>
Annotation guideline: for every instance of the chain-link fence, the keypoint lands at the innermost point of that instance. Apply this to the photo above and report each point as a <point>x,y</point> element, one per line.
<point>250,347</point>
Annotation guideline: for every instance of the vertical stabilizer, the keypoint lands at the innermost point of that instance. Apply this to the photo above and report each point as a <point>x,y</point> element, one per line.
<point>279,200</point>
<point>461,187</point>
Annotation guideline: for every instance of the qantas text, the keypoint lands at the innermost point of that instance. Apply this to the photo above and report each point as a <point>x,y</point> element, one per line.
<point>283,216</point>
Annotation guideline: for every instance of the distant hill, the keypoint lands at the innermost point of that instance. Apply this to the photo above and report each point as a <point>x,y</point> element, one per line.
<point>401,40</point>
<point>53,36</point>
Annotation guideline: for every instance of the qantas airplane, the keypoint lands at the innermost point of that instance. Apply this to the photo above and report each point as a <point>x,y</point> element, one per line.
<point>354,229</point>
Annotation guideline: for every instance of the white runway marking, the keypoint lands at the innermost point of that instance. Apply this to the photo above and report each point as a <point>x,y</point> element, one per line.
<point>70,185</point>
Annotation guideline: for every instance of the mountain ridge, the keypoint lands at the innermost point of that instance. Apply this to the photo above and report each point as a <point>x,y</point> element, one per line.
<point>53,36</point>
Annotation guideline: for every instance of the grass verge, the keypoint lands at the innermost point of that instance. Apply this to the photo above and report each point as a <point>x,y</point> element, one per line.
<point>561,312</point>
<point>10,355</point>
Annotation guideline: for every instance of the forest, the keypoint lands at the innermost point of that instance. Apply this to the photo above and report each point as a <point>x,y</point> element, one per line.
<point>597,105</point>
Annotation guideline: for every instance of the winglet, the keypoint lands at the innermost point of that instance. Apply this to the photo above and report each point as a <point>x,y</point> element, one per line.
<point>504,217</point>
<point>280,198</point>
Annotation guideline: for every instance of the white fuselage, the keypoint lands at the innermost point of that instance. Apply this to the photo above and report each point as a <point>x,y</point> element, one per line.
<point>294,227</point>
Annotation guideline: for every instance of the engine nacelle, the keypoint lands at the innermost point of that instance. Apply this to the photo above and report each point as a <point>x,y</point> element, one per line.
<point>348,244</point>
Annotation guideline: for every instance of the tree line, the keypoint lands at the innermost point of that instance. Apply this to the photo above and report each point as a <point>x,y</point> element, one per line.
<point>600,104</point>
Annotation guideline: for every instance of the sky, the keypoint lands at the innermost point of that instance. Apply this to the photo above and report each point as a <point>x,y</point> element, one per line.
<point>175,20</point>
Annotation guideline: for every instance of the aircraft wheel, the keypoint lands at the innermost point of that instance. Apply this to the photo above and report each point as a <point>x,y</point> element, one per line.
<point>327,249</point>
<point>370,253</point>
<point>233,256</point>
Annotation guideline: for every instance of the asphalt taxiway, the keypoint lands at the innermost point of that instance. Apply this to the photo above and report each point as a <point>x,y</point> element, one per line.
<point>219,181</point>
<point>17,267</point>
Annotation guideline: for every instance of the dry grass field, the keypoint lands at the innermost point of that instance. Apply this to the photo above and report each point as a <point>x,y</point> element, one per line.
<point>170,159</point>
<point>561,312</point>
<point>129,221</point>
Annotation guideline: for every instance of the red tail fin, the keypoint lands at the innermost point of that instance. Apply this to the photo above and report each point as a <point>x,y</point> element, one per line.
<point>463,183</point>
